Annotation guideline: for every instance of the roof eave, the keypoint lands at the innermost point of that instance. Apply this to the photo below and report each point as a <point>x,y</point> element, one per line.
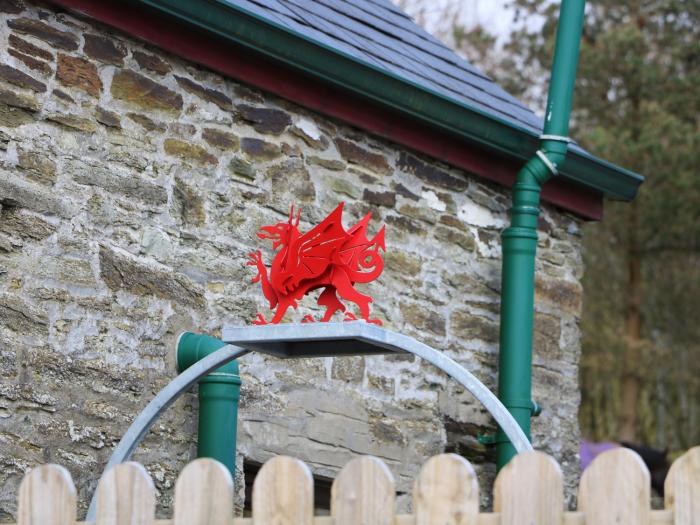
<point>246,29</point>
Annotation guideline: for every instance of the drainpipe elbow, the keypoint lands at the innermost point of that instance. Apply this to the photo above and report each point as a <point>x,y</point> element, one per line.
<point>193,347</point>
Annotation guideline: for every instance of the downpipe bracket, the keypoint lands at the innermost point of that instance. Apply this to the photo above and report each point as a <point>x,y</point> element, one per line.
<point>550,165</point>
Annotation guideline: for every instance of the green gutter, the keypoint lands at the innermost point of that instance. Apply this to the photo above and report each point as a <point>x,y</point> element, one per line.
<point>520,238</point>
<point>236,25</point>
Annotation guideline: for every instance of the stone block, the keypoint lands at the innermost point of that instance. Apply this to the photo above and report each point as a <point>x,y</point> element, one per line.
<point>464,240</point>
<point>41,168</point>
<point>242,167</point>
<point>205,93</point>
<point>559,294</point>
<point>189,151</point>
<point>21,79</point>
<point>104,49</point>
<point>17,223</point>
<point>402,264</point>
<point>45,32</point>
<point>420,213</point>
<point>128,185</point>
<point>344,187</point>
<point>291,182</point>
<point>429,173</point>
<point>145,122</point>
<point>28,48</point>
<point>190,205</point>
<point>62,95</point>
<point>547,333</point>
<point>349,369</point>
<point>17,192</point>
<point>265,120</point>
<point>143,92</point>
<point>151,62</point>
<point>78,73</point>
<point>107,118</point>
<point>20,316</point>
<point>329,164</point>
<point>260,149</point>
<point>31,62</point>
<point>423,318</point>
<point>120,271</point>
<point>466,325</point>
<point>402,190</point>
<point>386,385</point>
<point>356,154</point>
<point>221,139</point>
<point>11,6</point>
<point>380,198</point>
<point>73,122</point>
<point>19,100</point>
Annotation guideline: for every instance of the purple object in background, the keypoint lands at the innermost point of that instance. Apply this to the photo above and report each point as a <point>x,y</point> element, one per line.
<point>589,450</point>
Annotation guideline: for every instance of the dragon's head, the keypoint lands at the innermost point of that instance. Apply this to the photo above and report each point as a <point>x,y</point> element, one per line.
<point>280,232</point>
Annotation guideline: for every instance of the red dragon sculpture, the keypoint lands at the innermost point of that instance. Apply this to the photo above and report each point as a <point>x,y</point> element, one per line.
<point>327,256</point>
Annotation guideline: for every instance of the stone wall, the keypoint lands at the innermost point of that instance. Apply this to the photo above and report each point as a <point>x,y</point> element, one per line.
<point>131,186</point>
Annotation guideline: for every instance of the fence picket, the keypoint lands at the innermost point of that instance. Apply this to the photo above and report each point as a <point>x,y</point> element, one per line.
<point>283,493</point>
<point>363,493</point>
<point>203,494</point>
<point>46,497</point>
<point>615,489</point>
<point>682,488</point>
<point>529,490</point>
<point>446,492</point>
<point>126,496</point>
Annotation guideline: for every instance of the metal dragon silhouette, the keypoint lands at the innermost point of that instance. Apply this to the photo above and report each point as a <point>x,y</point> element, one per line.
<point>328,256</point>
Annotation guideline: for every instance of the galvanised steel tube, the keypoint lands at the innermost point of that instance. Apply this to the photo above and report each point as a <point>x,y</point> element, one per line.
<point>219,393</point>
<point>520,238</point>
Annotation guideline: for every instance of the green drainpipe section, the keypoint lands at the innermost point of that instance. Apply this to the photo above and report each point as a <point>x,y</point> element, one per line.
<point>219,393</point>
<point>520,238</point>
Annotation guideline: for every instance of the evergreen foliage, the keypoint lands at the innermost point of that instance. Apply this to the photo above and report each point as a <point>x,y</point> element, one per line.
<point>637,104</point>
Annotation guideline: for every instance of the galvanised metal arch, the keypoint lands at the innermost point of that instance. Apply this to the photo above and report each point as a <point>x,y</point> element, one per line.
<point>290,341</point>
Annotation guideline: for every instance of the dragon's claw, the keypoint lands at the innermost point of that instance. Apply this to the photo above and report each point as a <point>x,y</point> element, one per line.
<point>349,316</point>
<point>308,319</point>
<point>259,319</point>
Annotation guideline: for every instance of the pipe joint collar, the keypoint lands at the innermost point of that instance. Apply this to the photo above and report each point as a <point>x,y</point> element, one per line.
<point>192,347</point>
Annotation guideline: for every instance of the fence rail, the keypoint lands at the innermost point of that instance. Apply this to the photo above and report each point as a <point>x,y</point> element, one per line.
<point>615,489</point>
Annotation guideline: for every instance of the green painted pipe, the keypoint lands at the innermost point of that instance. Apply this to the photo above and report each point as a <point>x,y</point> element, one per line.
<point>520,238</point>
<point>219,393</point>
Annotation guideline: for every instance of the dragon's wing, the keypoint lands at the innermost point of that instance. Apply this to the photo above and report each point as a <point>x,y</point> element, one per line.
<point>317,246</point>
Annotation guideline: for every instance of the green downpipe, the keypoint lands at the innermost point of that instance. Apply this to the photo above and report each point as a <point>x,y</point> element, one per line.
<point>219,393</point>
<point>519,240</point>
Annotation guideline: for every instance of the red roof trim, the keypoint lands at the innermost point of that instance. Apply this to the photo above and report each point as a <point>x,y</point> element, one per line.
<point>252,69</point>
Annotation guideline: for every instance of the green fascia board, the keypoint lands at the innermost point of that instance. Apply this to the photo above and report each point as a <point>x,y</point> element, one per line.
<point>247,29</point>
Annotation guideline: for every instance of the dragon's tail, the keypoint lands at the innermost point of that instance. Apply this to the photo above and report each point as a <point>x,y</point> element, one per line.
<point>367,263</point>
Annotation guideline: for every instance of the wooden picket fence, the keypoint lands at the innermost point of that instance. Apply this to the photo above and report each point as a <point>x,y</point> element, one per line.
<point>615,489</point>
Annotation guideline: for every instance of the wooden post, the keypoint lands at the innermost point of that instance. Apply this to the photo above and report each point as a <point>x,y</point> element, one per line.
<point>615,489</point>
<point>204,494</point>
<point>283,493</point>
<point>126,496</point>
<point>682,488</point>
<point>46,497</point>
<point>363,494</point>
<point>529,490</point>
<point>446,492</point>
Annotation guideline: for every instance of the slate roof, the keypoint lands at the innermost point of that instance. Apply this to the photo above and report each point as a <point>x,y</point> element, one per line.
<point>380,34</point>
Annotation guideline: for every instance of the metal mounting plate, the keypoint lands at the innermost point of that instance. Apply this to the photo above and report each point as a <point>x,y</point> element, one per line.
<point>313,339</point>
